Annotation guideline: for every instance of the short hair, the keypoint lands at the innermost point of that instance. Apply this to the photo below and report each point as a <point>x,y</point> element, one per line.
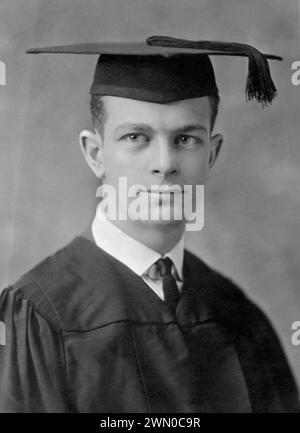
<point>98,112</point>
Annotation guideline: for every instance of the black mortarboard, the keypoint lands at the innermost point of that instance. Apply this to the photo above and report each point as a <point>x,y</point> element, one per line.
<point>166,69</point>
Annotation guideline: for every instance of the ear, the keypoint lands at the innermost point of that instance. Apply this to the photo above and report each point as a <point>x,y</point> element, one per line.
<point>91,145</point>
<point>216,142</point>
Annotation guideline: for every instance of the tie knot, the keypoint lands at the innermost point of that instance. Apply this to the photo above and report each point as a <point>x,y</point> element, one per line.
<point>165,266</point>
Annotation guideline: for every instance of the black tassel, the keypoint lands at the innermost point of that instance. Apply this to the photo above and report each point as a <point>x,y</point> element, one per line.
<point>259,86</point>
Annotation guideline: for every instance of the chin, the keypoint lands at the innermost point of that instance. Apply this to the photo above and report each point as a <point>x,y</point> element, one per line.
<point>161,223</point>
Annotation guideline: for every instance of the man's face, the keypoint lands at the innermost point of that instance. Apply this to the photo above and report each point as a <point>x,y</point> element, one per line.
<point>157,144</point>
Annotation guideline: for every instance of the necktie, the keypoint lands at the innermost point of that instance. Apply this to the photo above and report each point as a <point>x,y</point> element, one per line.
<point>170,289</point>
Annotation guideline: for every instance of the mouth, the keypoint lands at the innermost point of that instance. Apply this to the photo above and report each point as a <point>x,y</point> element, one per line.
<point>163,190</point>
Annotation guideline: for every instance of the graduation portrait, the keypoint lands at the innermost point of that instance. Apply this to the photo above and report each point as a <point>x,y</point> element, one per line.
<point>149,206</point>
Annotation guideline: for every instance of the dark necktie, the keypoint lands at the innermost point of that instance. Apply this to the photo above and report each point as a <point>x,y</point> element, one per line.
<point>169,285</point>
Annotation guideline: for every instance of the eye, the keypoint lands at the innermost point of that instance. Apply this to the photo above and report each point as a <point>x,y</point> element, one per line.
<point>136,138</point>
<point>188,140</point>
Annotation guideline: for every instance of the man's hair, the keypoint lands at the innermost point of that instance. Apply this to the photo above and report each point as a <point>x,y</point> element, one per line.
<point>98,112</point>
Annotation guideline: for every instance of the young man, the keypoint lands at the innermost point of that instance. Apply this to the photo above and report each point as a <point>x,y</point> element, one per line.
<point>123,319</point>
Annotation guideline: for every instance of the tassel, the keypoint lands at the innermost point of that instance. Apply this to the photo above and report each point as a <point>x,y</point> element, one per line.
<point>259,85</point>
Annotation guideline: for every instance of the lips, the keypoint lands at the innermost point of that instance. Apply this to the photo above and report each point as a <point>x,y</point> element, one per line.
<point>157,190</point>
<point>165,189</point>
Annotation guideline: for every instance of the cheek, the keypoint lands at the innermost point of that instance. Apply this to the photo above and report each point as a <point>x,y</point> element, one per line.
<point>195,168</point>
<point>112,158</point>
<point>117,163</point>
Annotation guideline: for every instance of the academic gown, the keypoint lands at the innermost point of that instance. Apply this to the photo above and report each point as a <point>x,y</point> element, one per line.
<point>84,333</point>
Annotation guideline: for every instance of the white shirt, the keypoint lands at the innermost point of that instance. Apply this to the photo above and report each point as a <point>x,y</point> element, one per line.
<point>132,253</point>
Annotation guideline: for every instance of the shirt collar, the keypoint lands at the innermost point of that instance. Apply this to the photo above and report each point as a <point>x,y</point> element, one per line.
<point>132,253</point>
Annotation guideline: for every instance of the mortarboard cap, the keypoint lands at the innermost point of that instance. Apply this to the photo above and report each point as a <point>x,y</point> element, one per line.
<point>165,69</point>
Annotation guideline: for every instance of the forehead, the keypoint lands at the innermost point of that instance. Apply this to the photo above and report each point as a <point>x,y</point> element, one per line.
<point>123,110</point>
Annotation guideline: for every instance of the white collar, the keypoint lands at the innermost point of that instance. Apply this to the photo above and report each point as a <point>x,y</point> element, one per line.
<point>132,253</point>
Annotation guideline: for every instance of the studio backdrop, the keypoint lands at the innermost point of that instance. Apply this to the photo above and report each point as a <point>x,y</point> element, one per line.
<point>252,204</point>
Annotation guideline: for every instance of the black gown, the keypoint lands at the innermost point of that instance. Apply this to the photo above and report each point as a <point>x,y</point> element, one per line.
<point>85,334</point>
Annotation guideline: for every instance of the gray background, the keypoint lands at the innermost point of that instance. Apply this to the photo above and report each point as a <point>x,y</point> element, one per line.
<point>47,191</point>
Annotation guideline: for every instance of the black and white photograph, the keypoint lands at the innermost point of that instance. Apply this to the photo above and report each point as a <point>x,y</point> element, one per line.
<point>149,207</point>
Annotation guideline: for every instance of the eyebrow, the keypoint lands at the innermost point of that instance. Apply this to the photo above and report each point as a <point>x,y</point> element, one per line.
<point>147,128</point>
<point>134,127</point>
<point>189,128</point>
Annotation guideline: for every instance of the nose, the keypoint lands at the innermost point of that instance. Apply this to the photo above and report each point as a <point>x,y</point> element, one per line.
<point>163,159</point>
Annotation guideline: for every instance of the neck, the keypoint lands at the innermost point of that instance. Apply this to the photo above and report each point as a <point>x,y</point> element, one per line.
<point>160,238</point>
